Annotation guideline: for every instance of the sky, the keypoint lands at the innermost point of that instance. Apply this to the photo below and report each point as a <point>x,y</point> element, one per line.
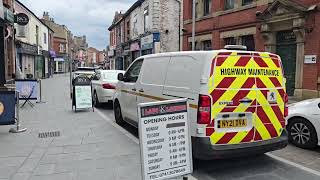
<point>83,17</point>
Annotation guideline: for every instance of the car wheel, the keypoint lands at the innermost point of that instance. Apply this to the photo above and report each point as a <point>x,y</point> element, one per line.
<point>302,133</point>
<point>96,102</point>
<point>117,113</point>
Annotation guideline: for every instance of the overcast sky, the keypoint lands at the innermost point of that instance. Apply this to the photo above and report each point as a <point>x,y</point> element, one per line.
<point>83,17</point>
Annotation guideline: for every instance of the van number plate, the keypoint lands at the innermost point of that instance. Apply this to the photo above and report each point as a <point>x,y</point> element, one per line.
<point>232,123</point>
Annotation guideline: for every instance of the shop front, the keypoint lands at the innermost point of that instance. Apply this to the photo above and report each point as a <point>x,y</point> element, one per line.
<point>147,45</point>
<point>135,50</point>
<point>59,65</point>
<point>26,59</point>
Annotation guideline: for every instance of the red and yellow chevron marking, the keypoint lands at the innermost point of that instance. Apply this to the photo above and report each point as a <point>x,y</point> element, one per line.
<point>228,87</point>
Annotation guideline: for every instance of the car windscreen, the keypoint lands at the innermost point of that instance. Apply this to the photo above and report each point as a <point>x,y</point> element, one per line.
<point>110,75</point>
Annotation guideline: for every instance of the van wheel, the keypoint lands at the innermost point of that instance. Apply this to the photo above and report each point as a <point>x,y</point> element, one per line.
<point>118,114</point>
<point>302,133</point>
<point>96,102</point>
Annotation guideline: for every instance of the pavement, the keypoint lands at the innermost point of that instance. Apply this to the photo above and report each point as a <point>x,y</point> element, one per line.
<point>92,146</point>
<point>88,147</point>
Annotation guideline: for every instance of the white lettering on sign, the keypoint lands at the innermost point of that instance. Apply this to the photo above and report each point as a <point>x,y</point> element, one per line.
<point>164,140</point>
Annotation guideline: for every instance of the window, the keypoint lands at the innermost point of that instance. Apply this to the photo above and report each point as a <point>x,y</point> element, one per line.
<point>248,41</point>
<point>230,41</point>
<point>246,2</point>
<point>133,72</point>
<point>207,7</point>
<point>207,45</point>
<point>44,38</point>
<point>229,4</point>
<point>146,18</point>
<point>22,31</point>
<point>61,47</point>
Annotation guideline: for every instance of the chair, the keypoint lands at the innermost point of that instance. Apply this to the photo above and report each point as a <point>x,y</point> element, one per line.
<point>27,98</point>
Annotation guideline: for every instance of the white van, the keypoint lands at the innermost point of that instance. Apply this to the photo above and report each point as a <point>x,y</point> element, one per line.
<point>237,98</point>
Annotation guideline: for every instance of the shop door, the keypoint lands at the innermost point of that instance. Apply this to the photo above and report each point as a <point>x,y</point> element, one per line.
<point>39,64</point>
<point>287,49</point>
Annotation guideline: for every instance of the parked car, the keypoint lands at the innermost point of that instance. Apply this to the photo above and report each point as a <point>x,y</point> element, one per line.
<point>304,123</point>
<point>237,99</point>
<point>103,86</point>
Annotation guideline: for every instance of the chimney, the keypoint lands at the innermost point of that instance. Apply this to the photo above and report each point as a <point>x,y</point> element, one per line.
<point>46,16</point>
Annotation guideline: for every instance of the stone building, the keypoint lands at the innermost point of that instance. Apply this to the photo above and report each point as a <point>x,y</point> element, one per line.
<point>80,47</point>
<point>286,27</point>
<point>62,39</point>
<point>32,43</point>
<point>148,26</point>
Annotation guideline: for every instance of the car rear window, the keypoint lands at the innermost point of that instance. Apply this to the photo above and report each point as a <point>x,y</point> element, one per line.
<point>110,75</point>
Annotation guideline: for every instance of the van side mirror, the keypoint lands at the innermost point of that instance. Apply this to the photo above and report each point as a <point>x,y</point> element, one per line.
<point>120,77</point>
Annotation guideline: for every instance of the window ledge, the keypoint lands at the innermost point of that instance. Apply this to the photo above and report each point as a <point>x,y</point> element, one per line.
<point>198,19</point>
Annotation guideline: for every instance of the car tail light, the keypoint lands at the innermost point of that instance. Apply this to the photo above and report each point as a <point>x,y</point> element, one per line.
<point>286,100</point>
<point>204,109</point>
<point>108,86</point>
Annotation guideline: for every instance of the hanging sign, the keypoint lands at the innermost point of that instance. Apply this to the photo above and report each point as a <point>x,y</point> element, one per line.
<point>21,19</point>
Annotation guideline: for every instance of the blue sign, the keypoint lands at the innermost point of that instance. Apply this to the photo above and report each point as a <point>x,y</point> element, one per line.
<point>7,107</point>
<point>27,88</point>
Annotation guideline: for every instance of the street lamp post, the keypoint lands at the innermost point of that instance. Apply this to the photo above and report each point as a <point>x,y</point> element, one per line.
<point>193,23</point>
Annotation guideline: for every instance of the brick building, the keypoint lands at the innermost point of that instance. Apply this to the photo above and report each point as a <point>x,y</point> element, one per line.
<point>286,27</point>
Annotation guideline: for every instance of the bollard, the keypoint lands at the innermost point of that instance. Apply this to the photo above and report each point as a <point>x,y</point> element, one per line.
<point>40,92</point>
<point>17,129</point>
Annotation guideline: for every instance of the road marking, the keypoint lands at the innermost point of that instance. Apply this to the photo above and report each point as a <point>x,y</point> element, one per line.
<point>129,135</point>
<point>108,119</point>
<point>317,173</point>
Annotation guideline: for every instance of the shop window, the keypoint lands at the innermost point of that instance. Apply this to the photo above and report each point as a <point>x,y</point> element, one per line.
<point>246,2</point>
<point>229,4</point>
<point>230,41</point>
<point>249,42</point>
<point>207,45</point>
<point>207,7</point>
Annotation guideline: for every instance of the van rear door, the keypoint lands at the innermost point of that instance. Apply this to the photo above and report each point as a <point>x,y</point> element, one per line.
<point>242,88</point>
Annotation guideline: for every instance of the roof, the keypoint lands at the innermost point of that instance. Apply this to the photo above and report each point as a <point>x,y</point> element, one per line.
<point>126,14</point>
<point>34,15</point>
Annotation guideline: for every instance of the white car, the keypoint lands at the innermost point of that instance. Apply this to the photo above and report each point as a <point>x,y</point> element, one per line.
<point>304,123</point>
<point>104,85</point>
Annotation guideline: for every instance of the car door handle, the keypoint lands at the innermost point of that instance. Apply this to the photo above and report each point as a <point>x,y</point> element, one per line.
<point>141,90</point>
<point>134,89</point>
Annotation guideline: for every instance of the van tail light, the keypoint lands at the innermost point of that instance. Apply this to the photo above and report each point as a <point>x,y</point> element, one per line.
<point>204,109</point>
<point>286,100</point>
<point>108,86</point>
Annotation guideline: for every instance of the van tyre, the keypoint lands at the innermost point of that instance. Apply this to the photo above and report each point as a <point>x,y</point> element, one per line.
<point>117,113</point>
<point>302,133</point>
<point>96,102</point>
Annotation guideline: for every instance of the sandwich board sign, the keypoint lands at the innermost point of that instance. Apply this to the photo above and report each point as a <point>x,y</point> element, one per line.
<point>165,143</point>
<point>82,93</point>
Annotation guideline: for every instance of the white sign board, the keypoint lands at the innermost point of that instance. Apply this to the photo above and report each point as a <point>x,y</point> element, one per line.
<point>83,97</point>
<point>310,59</point>
<point>165,143</point>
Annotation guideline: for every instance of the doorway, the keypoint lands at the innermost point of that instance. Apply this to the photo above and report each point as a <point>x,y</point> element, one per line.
<point>287,49</point>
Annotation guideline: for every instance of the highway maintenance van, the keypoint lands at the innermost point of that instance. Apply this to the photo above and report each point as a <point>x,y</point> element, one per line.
<point>237,98</point>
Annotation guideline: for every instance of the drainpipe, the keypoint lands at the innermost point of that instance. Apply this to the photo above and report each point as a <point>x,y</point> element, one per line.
<point>179,29</point>
<point>193,23</point>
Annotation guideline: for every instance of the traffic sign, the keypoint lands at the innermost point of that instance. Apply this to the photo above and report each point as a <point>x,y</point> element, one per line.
<point>165,143</point>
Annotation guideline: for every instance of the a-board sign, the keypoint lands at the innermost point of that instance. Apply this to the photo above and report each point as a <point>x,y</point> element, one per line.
<point>27,88</point>
<point>82,92</point>
<point>165,143</point>
<point>7,107</point>
<point>83,97</point>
